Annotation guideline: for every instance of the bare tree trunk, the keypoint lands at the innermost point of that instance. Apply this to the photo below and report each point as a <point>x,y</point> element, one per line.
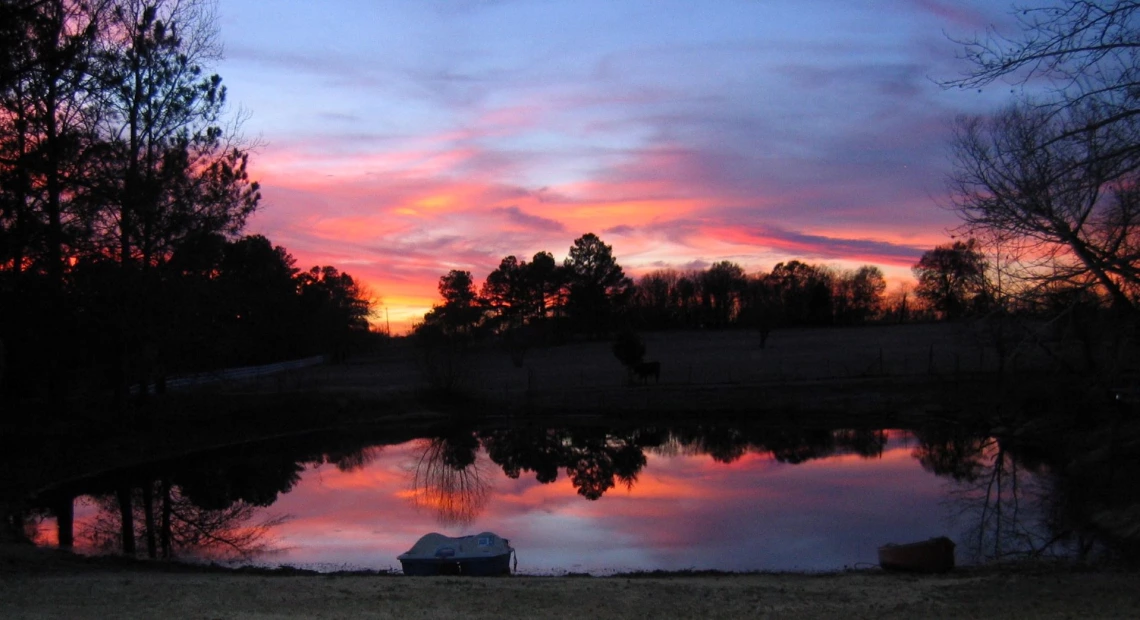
<point>127,520</point>
<point>64,510</point>
<point>166,514</point>
<point>148,511</point>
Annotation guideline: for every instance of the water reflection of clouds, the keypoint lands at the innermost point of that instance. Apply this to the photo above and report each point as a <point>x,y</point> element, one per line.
<point>684,512</point>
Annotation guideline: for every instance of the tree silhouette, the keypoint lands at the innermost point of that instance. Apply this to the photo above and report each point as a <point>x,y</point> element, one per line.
<point>598,286</point>
<point>115,155</point>
<point>336,307</point>
<point>804,291</point>
<point>1065,207</point>
<point>545,279</point>
<point>1085,49</point>
<point>508,293</point>
<point>262,309</point>
<point>722,285</point>
<point>462,309</point>
<point>629,349</point>
<point>950,277</point>
<point>858,295</point>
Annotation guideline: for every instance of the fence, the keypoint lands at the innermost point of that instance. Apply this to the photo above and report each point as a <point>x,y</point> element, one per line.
<point>244,373</point>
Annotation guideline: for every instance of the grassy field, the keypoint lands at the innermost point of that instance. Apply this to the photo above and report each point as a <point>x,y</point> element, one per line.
<point>40,584</point>
<point>875,368</point>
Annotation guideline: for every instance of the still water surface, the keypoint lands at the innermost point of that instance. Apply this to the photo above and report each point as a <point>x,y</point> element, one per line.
<point>681,512</point>
<point>603,501</point>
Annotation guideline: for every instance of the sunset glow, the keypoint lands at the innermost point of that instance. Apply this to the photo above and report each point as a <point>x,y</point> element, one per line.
<point>399,142</point>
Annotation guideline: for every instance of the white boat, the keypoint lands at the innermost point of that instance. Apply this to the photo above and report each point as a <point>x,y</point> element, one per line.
<point>483,554</point>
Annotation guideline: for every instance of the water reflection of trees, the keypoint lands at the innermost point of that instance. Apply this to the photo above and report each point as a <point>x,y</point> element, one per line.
<point>202,505</point>
<point>1014,499</point>
<point>448,478</point>
<point>594,459</point>
<point>597,460</point>
<point>786,445</point>
<point>1004,505</point>
<point>350,459</point>
<point>208,504</point>
<point>951,451</point>
<point>233,531</point>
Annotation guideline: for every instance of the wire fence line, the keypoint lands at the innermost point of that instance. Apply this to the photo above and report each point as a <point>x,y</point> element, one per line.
<point>715,383</point>
<point>243,373</point>
<point>873,362</point>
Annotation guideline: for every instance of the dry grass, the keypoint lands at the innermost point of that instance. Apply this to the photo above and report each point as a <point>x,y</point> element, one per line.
<point>65,590</point>
<point>877,368</point>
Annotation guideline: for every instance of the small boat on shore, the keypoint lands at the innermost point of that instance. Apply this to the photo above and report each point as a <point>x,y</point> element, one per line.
<point>483,554</point>
<point>929,556</point>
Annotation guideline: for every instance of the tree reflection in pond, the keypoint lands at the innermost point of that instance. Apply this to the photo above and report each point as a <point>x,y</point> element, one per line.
<point>950,451</point>
<point>233,532</point>
<point>594,459</point>
<point>448,480</point>
<point>354,459</point>
<point>1012,498</point>
<point>1006,507</point>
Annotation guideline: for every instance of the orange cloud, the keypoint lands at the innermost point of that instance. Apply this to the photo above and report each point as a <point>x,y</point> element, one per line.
<point>399,215</point>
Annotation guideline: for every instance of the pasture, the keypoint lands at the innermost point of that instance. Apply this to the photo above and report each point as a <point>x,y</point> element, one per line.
<point>865,368</point>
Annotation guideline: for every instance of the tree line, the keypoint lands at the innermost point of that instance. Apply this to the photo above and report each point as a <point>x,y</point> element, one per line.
<point>589,294</point>
<point>124,188</point>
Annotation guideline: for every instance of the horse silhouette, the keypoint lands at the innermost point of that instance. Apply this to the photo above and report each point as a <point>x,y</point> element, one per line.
<point>644,370</point>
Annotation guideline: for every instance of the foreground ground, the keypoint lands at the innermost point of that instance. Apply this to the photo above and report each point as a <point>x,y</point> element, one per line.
<point>32,587</point>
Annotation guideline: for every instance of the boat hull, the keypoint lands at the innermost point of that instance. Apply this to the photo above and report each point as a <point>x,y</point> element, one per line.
<point>929,556</point>
<point>485,554</point>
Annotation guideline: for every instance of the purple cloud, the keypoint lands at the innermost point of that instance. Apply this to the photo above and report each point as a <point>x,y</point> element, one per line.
<point>516,216</point>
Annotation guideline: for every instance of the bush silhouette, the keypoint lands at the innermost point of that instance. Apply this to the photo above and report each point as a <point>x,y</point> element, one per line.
<point>629,349</point>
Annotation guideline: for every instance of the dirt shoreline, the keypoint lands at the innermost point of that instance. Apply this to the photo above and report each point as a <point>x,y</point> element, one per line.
<point>40,583</point>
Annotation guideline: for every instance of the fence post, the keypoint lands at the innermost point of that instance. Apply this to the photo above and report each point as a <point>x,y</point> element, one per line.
<point>930,361</point>
<point>881,371</point>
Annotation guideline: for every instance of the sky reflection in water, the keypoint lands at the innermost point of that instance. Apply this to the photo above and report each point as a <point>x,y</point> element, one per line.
<point>683,512</point>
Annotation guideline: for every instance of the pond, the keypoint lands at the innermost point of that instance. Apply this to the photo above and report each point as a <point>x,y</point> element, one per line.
<point>680,511</point>
<point>584,499</point>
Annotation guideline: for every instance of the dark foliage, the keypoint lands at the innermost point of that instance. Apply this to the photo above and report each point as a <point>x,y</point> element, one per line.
<point>951,278</point>
<point>629,349</point>
<point>123,189</point>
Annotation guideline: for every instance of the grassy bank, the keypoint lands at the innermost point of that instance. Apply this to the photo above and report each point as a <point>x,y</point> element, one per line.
<point>57,587</point>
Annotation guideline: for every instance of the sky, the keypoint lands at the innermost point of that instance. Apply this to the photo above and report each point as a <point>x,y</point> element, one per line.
<point>400,140</point>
